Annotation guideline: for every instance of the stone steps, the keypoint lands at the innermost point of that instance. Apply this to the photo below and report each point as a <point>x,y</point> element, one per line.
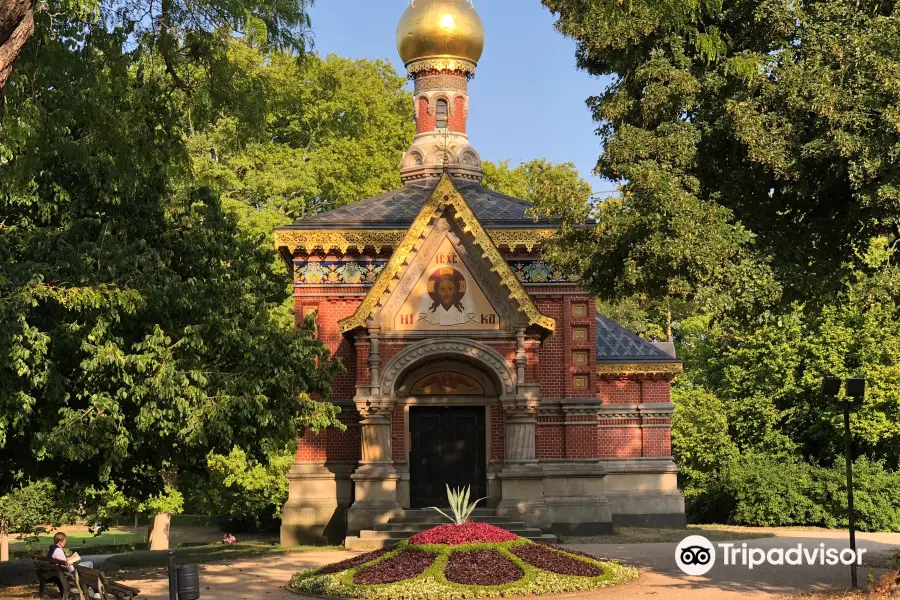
<point>411,522</point>
<point>415,526</point>
<point>525,532</point>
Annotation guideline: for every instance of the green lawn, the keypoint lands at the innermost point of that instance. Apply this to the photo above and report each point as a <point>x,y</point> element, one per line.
<point>80,539</point>
<point>655,535</point>
<point>208,553</point>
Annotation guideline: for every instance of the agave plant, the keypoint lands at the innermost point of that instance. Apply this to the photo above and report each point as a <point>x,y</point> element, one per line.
<point>459,505</point>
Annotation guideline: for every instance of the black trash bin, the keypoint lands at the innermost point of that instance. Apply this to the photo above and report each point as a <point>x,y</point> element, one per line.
<point>188,582</point>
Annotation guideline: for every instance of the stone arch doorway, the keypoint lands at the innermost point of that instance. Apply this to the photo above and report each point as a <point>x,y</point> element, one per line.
<point>446,391</point>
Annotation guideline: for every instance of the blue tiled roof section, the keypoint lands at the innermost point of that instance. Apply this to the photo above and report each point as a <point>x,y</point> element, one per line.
<point>617,344</point>
<point>399,208</point>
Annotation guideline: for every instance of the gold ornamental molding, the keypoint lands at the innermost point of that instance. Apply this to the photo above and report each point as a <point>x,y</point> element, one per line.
<point>381,239</point>
<point>319,239</point>
<point>612,370</point>
<point>446,194</point>
<point>441,64</point>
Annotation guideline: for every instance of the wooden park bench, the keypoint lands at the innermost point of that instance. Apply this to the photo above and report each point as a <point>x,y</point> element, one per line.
<point>99,584</point>
<point>50,570</point>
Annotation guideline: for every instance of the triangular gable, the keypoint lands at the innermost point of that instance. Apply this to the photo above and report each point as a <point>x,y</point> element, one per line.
<point>446,294</point>
<point>446,195</point>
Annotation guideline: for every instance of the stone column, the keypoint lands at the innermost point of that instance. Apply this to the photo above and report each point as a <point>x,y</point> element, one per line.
<point>375,481</point>
<point>520,425</point>
<point>522,477</point>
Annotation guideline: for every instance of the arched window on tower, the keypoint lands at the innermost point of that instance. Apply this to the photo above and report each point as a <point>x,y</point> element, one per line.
<point>442,111</point>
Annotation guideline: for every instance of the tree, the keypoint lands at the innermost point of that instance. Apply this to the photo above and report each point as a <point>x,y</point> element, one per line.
<point>182,32</point>
<point>16,26</point>
<point>754,142</point>
<point>140,329</point>
<point>27,510</point>
<point>247,491</point>
<point>535,179</point>
<point>326,132</point>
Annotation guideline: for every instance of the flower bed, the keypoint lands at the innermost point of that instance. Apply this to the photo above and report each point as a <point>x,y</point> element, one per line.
<point>405,565</point>
<point>481,567</point>
<point>455,569</point>
<point>352,562</point>
<point>555,561</point>
<point>467,533</point>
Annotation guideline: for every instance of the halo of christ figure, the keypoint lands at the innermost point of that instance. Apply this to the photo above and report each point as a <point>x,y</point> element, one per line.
<point>447,303</point>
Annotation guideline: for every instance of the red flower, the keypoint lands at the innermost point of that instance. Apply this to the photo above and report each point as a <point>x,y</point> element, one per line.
<point>467,533</point>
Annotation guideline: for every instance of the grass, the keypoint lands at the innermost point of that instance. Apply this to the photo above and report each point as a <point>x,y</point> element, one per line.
<point>208,553</point>
<point>80,537</point>
<point>119,540</point>
<point>656,535</point>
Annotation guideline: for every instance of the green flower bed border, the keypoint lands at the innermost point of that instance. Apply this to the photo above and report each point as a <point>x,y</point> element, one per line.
<point>432,584</point>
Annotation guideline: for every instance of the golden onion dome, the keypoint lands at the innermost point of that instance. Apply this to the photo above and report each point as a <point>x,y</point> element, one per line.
<point>440,34</point>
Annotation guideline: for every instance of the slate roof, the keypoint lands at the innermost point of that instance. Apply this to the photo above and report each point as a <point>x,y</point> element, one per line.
<point>398,209</point>
<point>617,344</point>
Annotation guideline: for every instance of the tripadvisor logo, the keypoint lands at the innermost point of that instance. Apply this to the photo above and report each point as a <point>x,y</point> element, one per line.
<point>696,555</point>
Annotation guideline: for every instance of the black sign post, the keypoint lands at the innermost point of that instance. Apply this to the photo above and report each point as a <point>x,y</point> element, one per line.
<point>173,584</point>
<point>855,393</point>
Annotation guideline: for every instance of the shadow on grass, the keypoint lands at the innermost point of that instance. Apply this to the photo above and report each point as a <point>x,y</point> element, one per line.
<point>207,553</point>
<point>657,535</point>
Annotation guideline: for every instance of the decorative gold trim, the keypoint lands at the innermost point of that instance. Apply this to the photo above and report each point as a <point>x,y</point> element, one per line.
<point>446,194</point>
<point>441,64</point>
<point>521,237</point>
<point>315,239</point>
<point>625,369</point>
<point>318,239</point>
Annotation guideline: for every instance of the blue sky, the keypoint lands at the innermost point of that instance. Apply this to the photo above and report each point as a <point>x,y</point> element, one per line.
<point>527,99</point>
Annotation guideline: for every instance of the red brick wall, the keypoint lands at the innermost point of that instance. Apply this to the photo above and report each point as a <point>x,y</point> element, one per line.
<point>332,444</point>
<point>620,442</point>
<point>458,115</point>
<point>655,392</point>
<point>552,354</point>
<point>498,449</point>
<point>657,440</point>
<point>620,391</point>
<point>398,434</point>
<point>550,437</point>
<point>424,121</point>
<point>331,311</point>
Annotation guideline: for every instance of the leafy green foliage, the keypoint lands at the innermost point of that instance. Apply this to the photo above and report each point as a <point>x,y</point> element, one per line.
<point>28,510</point>
<point>140,328</point>
<point>319,134</point>
<point>459,505</point>
<point>763,491</point>
<point>242,488</point>
<point>545,184</point>
<point>761,136</point>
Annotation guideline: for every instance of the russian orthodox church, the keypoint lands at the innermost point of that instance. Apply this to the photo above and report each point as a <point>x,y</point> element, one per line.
<point>469,360</point>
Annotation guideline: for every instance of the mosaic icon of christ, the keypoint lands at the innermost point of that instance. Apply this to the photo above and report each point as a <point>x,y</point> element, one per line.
<point>447,303</point>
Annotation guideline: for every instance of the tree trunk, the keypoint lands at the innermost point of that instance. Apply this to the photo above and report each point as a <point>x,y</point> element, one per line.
<point>16,26</point>
<point>159,531</point>
<point>4,543</point>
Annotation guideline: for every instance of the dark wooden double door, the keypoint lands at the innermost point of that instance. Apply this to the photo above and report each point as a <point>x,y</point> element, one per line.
<point>448,448</point>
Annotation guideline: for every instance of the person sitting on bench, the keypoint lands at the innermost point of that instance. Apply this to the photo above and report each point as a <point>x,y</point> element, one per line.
<point>56,551</point>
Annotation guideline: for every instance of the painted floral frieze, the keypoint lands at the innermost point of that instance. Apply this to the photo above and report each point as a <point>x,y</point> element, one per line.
<point>538,271</point>
<point>335,273</point>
